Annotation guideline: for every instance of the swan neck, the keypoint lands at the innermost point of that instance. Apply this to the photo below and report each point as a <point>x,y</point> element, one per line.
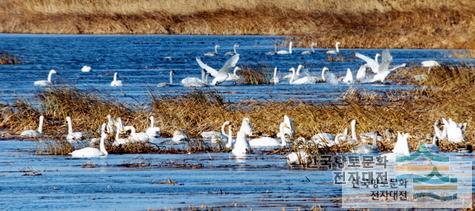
<point>234,49</point>
<point>292,78</point>
<point>70,125</point>
<point>102,146</point>
<point>216,49</point>
<point>151,122</point>
<point>290,48</point>
<point>337,47</point>
<point>353,131</point>
<point>115,77</point>
<point>230,136</point>
<point>223,129</point>
<point>40,125</point>
<point>275,73</point>
<point>50,75</point>
<point>323,73</point>
<point>117,134</point>
<point>171,77</point>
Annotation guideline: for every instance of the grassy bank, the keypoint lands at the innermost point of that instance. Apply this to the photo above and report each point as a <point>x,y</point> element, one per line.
<point>356,23</point>
<point>448,92</point>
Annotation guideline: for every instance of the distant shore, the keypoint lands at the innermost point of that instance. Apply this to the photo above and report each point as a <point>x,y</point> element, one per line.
<point>355,23</point>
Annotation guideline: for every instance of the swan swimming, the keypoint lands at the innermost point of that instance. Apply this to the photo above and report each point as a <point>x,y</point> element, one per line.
<point>196,82</point>
<point>285,52</point>
<point>152,131</point>
<point>268,142</point>
<point>179,137</point>
<point>298,158</point>
<point>34,133</point>
<point>222,74</point>
<point>47,82</point>
<point>170,80</point>
<point>92,152</point>
<point>117,140</point>
<point>234,52</point>
<point>303,80</point>
<point>297,72</point>
<point>115,82</point>
<point>337,49</point>
<point>241,146</point>
<point>72,136</point>
<point>328,77</point>
<point>86,69</point>
<point>275,78</point>
<point>271,53</point>
<point>328,139</point>
<point>311,51</point>
<point>212,53</point>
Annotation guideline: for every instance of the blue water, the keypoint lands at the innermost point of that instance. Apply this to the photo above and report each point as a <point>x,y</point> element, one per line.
<point>141,63</point>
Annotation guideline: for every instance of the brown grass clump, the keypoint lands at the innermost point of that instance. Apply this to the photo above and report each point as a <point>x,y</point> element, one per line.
<point>6,58</point>
<point>447,92</point>
<point>54,147</point>
<point>392,23</point>
<point>253,76</point>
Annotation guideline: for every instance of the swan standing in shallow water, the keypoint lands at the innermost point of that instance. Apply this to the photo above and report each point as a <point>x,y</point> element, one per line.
<point>285,52</point>
<point>152,131</point>
<point>222,74</point>
<point>47,82</point>
<point>72,136</point>
<point>234,52</point>
<point>275,78</point>
<point>91,152</point>
<point>34,133</point>
<point>311,51</point>
<point>336,51</point>
<point>212,53</point>
<point>86,69</point>
<point>170,80</point>
<point>116,82</point>
<point>271,53</point>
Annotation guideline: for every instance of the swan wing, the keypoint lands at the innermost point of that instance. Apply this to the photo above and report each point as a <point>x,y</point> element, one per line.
<point>208,69</point>
<point>385,61</point>
<point>371,62</point>
<point>230,63</point>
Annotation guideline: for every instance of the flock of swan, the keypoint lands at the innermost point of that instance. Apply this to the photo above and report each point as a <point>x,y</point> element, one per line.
<point>372,71</point>
<point>244,142</point>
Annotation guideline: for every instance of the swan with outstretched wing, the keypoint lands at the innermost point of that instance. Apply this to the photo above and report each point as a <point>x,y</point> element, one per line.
<point>222,74</point>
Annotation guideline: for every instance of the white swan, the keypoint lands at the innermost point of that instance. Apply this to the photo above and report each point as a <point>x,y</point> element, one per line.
<point>110,124</point>
<point>401,147</point>
<point>328,77</point>
<point>383,74</point>
<point>152,131</point>
<point>289,127</point>
<point>268,142</point>
<point>116,82</point>
<point>86,69</point>
<point>298,158</point>
<point>117,140</point>
<point>430,64</point>
<point>196,82</point>
<point>91,152</point>
<point>454,131</point>
<point>72,136</point>
<point>222,74</point>
<point>179,137</point>
<point>212,53</point>
<point>303,80</point>
<point>285,52</point>
<point>241,146</point>
<point>46,82</point>
<point>348,79</point>
<point>361,73</point>
<point>337,49</point>
<point>383,68</point>
<point>234,52</point>
<point>228,136</point>
<point>363,147</point>
<point>34,133</point>
<point>328,139</point>
<point>275,78</point>
<point>234,77</point>
<point>170,80</point>
<point>214,136</point>
<point>371,63</point>
<point>136,137</point>
<point>297,72</point>
<point>311,51</point>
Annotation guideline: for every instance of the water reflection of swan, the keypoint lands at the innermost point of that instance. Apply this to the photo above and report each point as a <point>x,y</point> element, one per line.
<point>212,53</point>
<point>91,152</point>
<point>72,136</point>
<point>45,82</point>
<point>34,133</point>
<point>284,52</point>
<point>337,49</point>
<point>311,51</point>
<point>116,82</point>
<point>222,74</point>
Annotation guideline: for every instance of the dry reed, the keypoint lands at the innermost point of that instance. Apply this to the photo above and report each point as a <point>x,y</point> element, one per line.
<point>6,58</point>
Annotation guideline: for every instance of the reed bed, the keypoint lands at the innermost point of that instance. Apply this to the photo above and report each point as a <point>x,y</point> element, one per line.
<point>254,75</point>
<point>356,23</point>
<point>445,92</point>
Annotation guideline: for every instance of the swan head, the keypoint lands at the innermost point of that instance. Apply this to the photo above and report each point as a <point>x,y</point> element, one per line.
<point>299,67</point>
<point>52,71</point>
<point>246,126</point>
<point>338,43</point>
<point>236,69</point>
<point>292,69</point>
<point>236,45</point>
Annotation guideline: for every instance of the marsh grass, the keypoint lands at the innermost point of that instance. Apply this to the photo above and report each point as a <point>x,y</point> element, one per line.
<point>6,58</point>
<point>447,92</point>
<point>254,75</point>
